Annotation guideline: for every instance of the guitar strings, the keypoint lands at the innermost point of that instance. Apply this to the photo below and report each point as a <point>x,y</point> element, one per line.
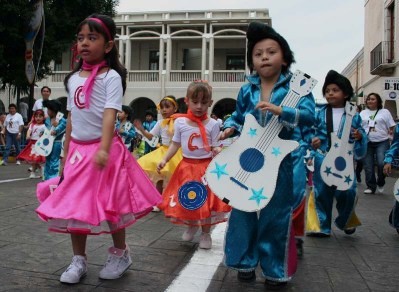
<point>266,139</point>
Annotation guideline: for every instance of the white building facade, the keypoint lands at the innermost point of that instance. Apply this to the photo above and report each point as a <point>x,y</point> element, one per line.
<point>164,51</point>
<point>375,67</point>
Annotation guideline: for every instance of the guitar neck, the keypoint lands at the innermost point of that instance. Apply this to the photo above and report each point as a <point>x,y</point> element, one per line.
<point>347,128</point>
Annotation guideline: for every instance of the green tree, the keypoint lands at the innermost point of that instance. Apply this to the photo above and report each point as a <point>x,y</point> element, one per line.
<point>61,19</point>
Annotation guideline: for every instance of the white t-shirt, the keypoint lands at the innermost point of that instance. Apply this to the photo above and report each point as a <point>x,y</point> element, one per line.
<point>377,125</point>
<point>161,132</point>
<point>13,122</point>
<point>337,117</point>
<point>107,93</point>
<point>36,130</point>
<point>39,105</point>
<point>190,138</point>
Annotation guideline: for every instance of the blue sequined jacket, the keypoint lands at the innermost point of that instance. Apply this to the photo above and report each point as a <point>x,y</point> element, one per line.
<point>297,121</point>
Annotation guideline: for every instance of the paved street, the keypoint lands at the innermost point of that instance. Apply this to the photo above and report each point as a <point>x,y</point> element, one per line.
<point>32,259</point>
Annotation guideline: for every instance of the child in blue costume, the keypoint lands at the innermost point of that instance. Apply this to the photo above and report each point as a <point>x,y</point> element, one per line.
<point>389,156</point>
<point>267,237</point>
<point>148,125</point>
<point>337,91</point>
<point>52,166</point>
<point>125,127</point>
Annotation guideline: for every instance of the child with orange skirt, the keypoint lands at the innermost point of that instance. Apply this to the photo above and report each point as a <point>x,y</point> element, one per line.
<point>36,129</point>
<point>186,200</point>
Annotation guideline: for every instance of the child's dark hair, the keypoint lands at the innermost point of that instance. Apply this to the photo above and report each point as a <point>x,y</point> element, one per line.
<point>377,96</point>
<point>128,111</point>
<point>258,31</point>
<point>112,58</point>
<point>169,99</point>
<point>197,87</point>
<point>12,105</point>
<point>341,81</point>
<point>53,105</point>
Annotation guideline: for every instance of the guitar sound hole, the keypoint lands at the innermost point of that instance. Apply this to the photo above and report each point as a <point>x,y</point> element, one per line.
<point>340,163</point>
<point>46,142</point>
<point>252,160</point>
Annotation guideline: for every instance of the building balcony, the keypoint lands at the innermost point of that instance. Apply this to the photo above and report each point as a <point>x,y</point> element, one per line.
<point>153,78</point>
<point>382,61</point>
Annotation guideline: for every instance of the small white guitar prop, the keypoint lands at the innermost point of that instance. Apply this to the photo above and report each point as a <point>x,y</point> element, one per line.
<point>245,174</point>
<point>337,167</point>
<point>153,142</point>
<point>44,144</point>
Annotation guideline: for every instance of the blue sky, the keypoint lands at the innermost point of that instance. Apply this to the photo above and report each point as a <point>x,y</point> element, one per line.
<point>324,34</point>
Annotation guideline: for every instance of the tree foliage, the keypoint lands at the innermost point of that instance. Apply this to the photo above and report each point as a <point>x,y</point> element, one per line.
<point>61,20</point>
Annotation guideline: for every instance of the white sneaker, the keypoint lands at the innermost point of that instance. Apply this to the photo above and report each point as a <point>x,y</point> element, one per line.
<point>18,162</point>
<point>76,270</point>
<point>205,241</point>
<point>30,169</point>
<point>188,235</point>
<point>380,190</point>
<point>368,191</point>
<point>118,262</point>
<point>156,209</point>
<point>33,175</point>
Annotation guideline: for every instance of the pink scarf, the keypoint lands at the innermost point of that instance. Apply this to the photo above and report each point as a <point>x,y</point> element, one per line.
<point>88,86</point>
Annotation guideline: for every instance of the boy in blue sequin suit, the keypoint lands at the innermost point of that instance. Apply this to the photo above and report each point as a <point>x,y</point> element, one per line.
<point>266,237</point>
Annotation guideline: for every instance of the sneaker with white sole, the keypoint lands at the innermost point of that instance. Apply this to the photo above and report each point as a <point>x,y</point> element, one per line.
<point>18,162</point>
<point>33,175</point>
<point>117,264</point>
<point>380,190</point>
<point>368,192</point>
<point>156,209</point>
<point>189,234</point>
<point>75,271</point>
<point>205,241</point>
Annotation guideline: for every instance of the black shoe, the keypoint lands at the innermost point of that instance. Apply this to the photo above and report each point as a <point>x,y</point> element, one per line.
<point>299,247</point>
<point>350,231</point>
<point>246,276</point>
<point>274,285</point>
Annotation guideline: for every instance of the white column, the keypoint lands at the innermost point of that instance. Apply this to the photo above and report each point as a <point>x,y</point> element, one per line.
<point>203,57</point>
<point>211,56</point>
<point>161,69</point>
<point>128,55</point>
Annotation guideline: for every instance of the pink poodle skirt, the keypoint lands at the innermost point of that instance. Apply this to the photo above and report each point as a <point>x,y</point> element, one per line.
<point>90,200</point>
<point>30,157</point>
<point>186,200</point>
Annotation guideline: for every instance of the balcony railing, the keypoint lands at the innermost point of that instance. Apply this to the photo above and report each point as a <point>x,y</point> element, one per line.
<point>228,76</point>
<point>143,76</point>
<point>382,57</point>
<point>184,75</point>
<point>222,76</point>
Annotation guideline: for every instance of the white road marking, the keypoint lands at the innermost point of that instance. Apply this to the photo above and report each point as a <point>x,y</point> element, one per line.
<point>198,273</point>
<point>14,179</point>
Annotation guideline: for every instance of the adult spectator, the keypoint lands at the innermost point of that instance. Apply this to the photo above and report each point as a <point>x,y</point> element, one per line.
<point>46,92</point>
<point>14,125</point>
<point>378,124</point>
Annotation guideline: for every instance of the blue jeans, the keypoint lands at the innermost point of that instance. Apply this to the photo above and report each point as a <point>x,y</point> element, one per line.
<point>11,139</point>
<point>375,152</point>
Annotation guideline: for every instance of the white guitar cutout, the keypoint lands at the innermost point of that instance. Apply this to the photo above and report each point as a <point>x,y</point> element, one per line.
<point>153,142</point>
<point>245,174</point>
<point>44,145</point>
<point>337,167</point>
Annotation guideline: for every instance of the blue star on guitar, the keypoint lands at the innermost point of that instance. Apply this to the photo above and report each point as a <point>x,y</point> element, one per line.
<point>336,145</point>
<point>328,170</point>
<point>252,132</point>
<point>257,196</point>
<point>220,170</point>
<point>276,151</point>
<point>348,179</point>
